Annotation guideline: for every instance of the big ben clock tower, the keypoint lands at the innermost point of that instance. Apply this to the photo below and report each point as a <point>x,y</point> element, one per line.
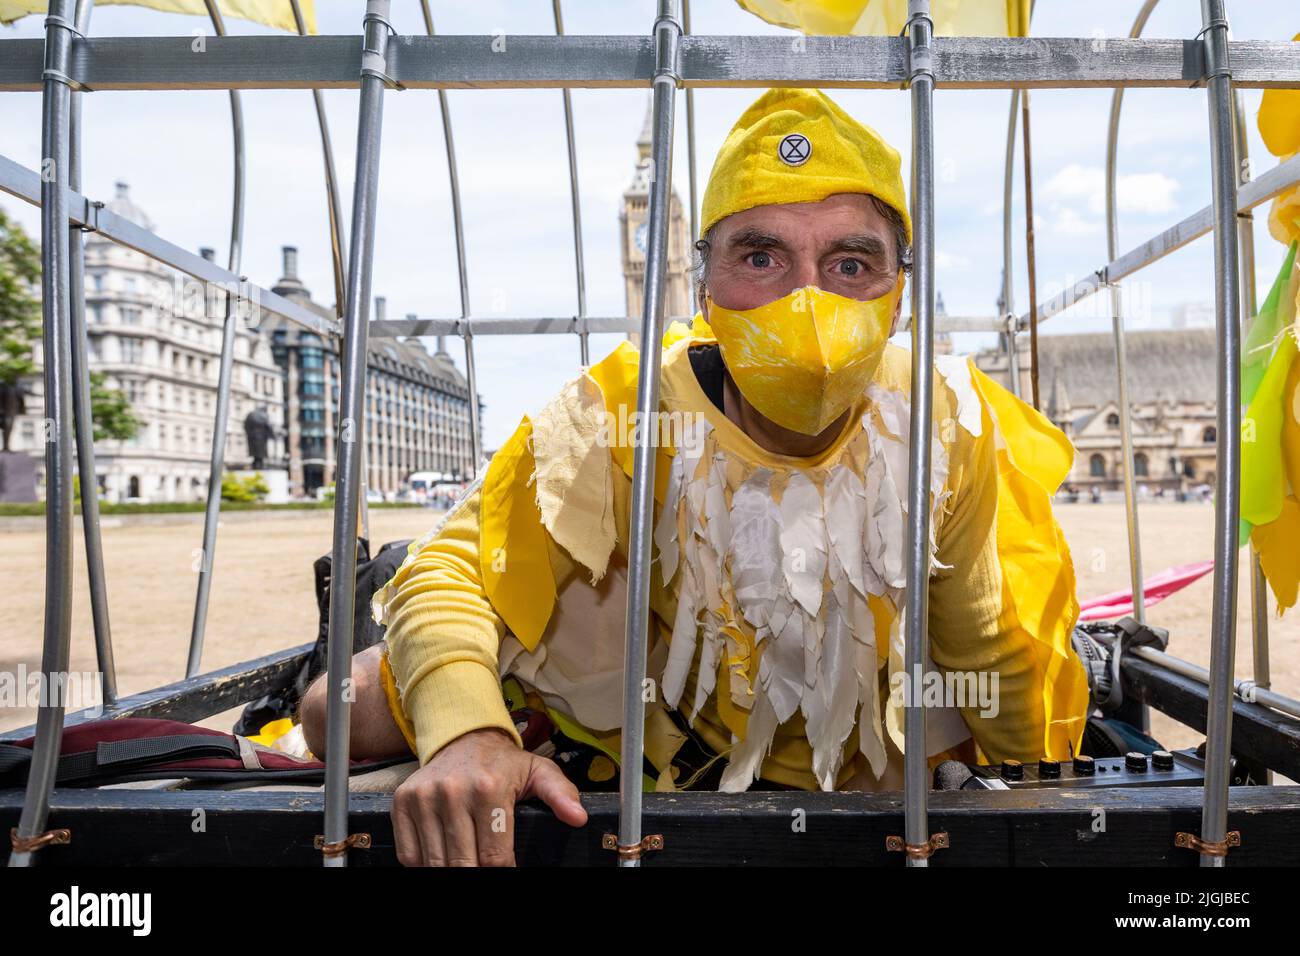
<point>634,238</point>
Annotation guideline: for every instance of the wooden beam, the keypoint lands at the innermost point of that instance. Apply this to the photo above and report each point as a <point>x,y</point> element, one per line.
<point>1097,827</point>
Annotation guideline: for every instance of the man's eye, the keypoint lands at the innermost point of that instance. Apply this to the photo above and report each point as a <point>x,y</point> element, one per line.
<point>850,267</point>
<point>760,260</point>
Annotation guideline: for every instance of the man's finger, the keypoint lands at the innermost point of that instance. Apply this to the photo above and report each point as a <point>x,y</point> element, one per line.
<point>549,784</point>
<point>406,837</point>
<point>433,846</point>
<point>459,833</point>
<point>494,818</point>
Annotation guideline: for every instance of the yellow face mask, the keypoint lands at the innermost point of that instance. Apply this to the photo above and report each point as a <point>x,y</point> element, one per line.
<point>805,358</point>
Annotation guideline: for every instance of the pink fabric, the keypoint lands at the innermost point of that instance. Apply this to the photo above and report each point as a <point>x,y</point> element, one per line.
<point>1155,589</point>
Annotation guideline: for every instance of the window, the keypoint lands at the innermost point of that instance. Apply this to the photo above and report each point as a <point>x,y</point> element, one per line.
<point>1140,465</point>
<point>1097,466</point>
<point>132,350</point>
<point>1210,435</point>
<point>131,316</point>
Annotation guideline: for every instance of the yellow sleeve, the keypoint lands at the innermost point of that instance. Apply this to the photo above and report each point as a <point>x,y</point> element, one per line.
<point>444,637</point>
<point>1040,700</point>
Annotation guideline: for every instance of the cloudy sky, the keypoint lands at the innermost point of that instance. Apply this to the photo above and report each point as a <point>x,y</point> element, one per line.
<point>174,150</point>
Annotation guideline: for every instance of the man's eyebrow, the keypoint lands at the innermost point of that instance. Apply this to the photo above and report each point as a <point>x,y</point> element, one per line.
<point>866,244</point>
<point>755,239</point>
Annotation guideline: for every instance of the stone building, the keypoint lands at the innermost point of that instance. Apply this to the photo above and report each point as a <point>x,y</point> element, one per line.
<point>417,403</point>
<point>156,335</point>
<point>634,226</point>
<point>1172,390</point>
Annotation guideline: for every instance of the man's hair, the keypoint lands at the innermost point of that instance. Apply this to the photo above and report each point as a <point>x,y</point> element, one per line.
<point>704,246</point>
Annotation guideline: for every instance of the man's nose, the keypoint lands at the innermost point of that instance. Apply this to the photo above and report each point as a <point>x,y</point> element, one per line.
<point>804,273</point>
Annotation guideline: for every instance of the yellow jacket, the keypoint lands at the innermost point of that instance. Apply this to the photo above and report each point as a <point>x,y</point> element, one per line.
<point>525,577</point>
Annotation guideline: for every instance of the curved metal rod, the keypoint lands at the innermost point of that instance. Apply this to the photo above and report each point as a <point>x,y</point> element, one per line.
<point>338,241</point>
<point>352,428</point>
<point>916,773</point>
<point>83,417</point>
<point>466,333</point>
<point>57,349</point>
<point>1121,350</point>
<point>1227,501</point>
<point>690,134</point>
<point>583,344</point>
<point>225,374</point>
<point>1006,304</point>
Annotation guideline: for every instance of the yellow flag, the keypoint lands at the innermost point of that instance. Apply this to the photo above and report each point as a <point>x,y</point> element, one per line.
<point>272,13</point>
<point>973,18</point>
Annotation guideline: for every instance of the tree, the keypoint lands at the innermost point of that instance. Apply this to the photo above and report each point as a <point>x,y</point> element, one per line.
<point>252,488</point>
<point>110,410</point>
<point>20,318</point>
<point>20,327</point>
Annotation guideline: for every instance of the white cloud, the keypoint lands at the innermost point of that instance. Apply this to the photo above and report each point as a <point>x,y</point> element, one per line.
<point>1145,193</point>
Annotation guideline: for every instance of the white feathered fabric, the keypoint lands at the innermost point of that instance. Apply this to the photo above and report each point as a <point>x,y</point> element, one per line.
<point>792,555</point>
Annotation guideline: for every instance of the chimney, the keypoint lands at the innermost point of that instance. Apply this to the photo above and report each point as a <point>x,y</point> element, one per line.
<point>120,189</point>
<point>207,252</point>
<point>290,285</point>
<point>442,345</point>
<point>381,305</point>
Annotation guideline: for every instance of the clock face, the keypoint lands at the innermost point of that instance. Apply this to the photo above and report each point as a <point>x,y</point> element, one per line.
<point>642,236</point>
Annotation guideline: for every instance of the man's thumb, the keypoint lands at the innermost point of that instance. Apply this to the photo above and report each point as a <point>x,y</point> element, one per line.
<point>549,784</point>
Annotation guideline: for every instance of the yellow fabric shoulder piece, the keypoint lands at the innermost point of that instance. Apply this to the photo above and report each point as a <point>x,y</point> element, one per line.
<point>1038,583</point>
<point>272,13</point>
<point>516,567</point>
<point>617,375</point>
<point>981,18</point>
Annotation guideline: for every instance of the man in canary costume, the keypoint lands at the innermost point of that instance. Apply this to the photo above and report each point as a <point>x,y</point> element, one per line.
<point>775,654</point>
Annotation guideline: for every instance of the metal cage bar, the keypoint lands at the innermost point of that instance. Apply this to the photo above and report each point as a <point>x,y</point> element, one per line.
<point>57,358</point>
<point>1006,300</point>
<point>667,36</point>
<point>1121,351</point>
<point>462,273</point>
<point>83,419</point>
<point>225,375</point>
<point>1227,503</point>
<point>628,62</point>
<point>352,425</point>
<point>580,272</point>
<point>916,771</point>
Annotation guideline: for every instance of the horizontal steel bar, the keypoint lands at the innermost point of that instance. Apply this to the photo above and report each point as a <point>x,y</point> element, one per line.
<point>25,184</point>
<point>507,62</point>
<point>574,325</point>
<point>1254,193</point>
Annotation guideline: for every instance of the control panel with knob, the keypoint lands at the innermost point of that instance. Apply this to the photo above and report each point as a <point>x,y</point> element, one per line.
<point>1158,769</point>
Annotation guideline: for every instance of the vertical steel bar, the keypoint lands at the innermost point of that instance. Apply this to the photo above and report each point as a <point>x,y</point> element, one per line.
<point>57,357</point>
<point>690,135</point>
<point>1031,269</point>
<point>1006,303</point>
<point>225,374</point>
<point>579,268</point>
<point>83,417</point>
<point>1261,668</point>
<point>1227,503</point>
<point>1121,350</point>
<point>916,775</point>
<point>352,426</point>
<point>338,241</point>
<point>476,440</point>
<point>667,34</point>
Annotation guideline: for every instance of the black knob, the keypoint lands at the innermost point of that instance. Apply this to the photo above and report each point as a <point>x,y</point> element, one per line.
<point>1049,768</point>
<point>1135,762</point>
<point>1083,766</point>
<point>1162,760</point>
<point>1013,770</point>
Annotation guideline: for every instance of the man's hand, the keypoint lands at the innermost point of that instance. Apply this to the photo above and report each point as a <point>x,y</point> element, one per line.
<point>459,808</point>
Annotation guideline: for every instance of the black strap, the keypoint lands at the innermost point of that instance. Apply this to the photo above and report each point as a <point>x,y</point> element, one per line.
<point>133,752</point>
